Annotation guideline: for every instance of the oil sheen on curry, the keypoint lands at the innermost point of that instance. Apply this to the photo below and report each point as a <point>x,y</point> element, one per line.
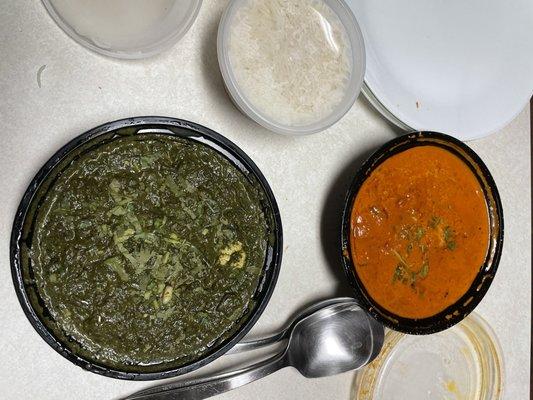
<point>148,249</point>
<point>419,231</point>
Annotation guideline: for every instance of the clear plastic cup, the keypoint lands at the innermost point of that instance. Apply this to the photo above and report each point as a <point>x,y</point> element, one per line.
<point>128,29</point>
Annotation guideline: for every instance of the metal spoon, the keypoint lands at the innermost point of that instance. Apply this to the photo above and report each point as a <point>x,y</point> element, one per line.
<point>335,339</point>
<point>249,345</point>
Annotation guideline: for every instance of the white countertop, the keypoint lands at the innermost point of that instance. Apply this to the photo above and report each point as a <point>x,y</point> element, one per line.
<point>308,175</point>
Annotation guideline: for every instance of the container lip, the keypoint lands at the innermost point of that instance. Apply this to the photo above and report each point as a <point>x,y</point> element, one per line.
<point>215,141</point>
<point>132,54</point>
<point>467,303</point>
<point>380,107</point>
<point>355,36</point>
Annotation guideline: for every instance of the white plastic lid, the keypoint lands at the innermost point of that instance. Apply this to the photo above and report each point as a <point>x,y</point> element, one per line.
<point>127,29</point>
<point>464,68</point>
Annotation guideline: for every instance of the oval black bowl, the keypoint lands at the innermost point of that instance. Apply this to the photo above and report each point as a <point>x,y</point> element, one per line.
<point>21,268</point>
<point>466,304</point>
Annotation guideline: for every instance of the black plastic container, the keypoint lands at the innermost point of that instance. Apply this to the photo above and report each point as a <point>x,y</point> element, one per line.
<point>466,304</point>
<point>21,268</point>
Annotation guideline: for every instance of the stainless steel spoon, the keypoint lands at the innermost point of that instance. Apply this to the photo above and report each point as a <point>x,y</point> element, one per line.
<point>334,339</point>
<point>249,345</point>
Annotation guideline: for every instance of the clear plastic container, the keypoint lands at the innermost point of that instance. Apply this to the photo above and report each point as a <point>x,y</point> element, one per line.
<point>128,29</point>
<point>463,362</point>
<point>247,104</point>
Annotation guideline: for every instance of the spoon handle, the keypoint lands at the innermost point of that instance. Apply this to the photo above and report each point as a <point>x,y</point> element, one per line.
<point>257,343</point>
<point>203,388</point>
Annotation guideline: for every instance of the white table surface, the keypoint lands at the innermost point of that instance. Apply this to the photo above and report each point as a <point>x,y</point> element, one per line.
<point>308,175</point>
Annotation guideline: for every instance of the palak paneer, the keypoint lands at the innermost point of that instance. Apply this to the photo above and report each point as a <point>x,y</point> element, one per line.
<point>148,249</point>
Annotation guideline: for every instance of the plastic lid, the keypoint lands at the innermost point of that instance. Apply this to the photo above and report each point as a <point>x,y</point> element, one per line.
<point>447,66</point>
<point>127,29</point>
<point>463,362</point>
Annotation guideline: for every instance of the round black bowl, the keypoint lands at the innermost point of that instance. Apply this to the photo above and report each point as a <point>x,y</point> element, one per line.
<point>21,267</point>
<point>466,304</point>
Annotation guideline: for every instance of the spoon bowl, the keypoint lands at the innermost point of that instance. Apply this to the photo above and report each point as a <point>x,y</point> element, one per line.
<point>333,340</point>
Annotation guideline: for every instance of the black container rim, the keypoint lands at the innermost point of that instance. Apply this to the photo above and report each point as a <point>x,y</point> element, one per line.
<point>468,302</point>
<point>174,127</point>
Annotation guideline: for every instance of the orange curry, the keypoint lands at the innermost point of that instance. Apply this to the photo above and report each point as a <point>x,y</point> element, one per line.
<point>419,231</point>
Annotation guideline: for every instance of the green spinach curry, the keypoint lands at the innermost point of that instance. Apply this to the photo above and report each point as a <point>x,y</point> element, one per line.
<point>148,249</point>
